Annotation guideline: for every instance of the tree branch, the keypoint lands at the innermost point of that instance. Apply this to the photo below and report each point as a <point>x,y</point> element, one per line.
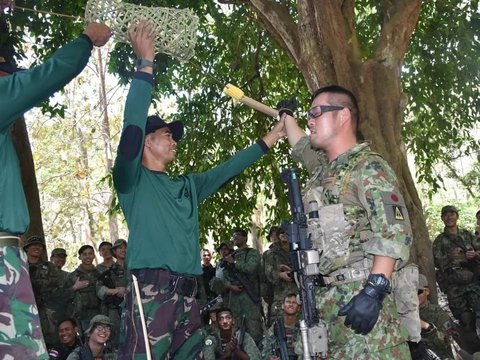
<point>399,21</point>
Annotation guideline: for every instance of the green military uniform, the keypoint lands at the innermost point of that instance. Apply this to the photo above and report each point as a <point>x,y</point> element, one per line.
<point>115,276</point>
<point>247,263</point>
<point>361,215</point>
<point>84,303</point>
<point>46,283</point>
<point>270,344</point>
<point>266,287</point>
<point>457,276</point>
<point>278,256</point>
<point>213,349</point>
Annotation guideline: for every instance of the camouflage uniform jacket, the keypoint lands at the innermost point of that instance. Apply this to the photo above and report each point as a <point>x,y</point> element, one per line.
<point>247,263</point>
<point>369,219</point>
<point>270,344</point>
<point>276,257</point>
<point>438,338</point>
<point>84,353</point>
<point>86,298</point>
<point>117,276</point>
<point>447,264</point>
<point>46,281</point>
<point>213,347</point>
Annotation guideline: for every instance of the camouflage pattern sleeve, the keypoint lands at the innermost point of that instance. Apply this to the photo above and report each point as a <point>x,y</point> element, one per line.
<point>441,254</point>
<point>272,268</point>
<point>269,344</point>
<point>250,348</point>
<point>251,265</point>
<point>303,153</point>
<point>390,230</point>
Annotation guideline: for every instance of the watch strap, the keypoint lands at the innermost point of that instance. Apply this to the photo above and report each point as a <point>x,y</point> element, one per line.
<point>141,63</point>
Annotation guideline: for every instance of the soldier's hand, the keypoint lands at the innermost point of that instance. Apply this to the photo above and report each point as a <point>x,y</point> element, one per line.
<point>456,251</point>
<point>363,309</point>
<point>471,254</point>
<point>80,284</point>
<point>236,288</point>
<point>284,275</point>
<point>98,33</point>
<point>121,291</point>
<point>112,292</point>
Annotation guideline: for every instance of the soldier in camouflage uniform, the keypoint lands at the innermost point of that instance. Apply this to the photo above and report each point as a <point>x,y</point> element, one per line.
<point>270,344</point>
<point>20,331</point>
<point>278,271</point>
<point>456,257</point>
<point>80,289</point>
<point>111,287</point>
<point>46,282</point>
<point>105,251</point>
<point>223,342</point>
<point>58,301</point>
<point>266,287</point>
<point>241,279</point>
<point>359,224</point>
<point>96,345</point>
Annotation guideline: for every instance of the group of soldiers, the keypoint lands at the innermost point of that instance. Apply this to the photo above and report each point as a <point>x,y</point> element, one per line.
<point>72,299</point>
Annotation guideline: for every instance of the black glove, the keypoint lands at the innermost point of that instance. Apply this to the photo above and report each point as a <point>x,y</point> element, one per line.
<point>287,106</point>
<point>363,309</point>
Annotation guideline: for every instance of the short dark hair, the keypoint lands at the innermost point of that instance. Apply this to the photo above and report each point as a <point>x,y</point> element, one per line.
<point>71,320</point>
<point>240,231</point>
<point>478,212</point>
<point>346,99</point>
<point>224,244</point>
<point>289,296</point>
<point>273,229</point>
<point>85,247</point>
<point>103,243</point>
<point>223,309</point>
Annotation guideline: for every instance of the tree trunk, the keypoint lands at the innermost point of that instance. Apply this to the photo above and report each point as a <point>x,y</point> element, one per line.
<point>29,180</point>
<point>323,45</point>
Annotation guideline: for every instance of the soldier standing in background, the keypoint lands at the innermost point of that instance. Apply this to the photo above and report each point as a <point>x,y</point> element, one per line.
<point>111,288</point>
<point>80,289</point>
<point>279,272</point>
<point>266,287</point>
<point>456,257</point>
<point>58,300</point>
<point>241,279</point>
<point>105,250</point>
<point>58,257</point>
<point>46,282</point>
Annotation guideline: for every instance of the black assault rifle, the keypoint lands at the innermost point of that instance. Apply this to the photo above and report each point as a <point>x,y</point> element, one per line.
<point>305,261</point>
<point>279,331</point>
<point>240,336</point>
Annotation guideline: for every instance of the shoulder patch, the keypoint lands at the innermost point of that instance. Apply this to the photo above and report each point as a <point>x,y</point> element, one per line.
<point>395,209</point>
<point>208,342</point>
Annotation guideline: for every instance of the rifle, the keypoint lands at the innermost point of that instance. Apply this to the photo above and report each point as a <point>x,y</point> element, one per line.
<point>106,278</point>
<point>279,331</point>
<point>211,304</point>
<point>242,280</point>
<point>240,336</point>
<point>305,262</point>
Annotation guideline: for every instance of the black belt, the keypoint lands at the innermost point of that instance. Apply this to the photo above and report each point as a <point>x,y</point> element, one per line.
<point>7,239</point>
<point>181,284</point>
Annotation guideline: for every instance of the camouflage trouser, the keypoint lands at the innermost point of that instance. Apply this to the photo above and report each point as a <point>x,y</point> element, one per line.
<point>172,320</point>
<point>20,331</point>
<point>464,302</point>
<point>387,340</point>
<point>405,287</point>
<point>241,305</point>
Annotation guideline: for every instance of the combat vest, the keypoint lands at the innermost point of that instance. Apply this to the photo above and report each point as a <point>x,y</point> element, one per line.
<point>337,221</point>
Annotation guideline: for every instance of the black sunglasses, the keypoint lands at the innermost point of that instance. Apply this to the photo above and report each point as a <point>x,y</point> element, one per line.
<point>319,110</point>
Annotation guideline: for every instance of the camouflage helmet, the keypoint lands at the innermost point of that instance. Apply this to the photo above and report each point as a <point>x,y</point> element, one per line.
<point>98,320</point>
<point>35,239</point>
<point>117,244</point>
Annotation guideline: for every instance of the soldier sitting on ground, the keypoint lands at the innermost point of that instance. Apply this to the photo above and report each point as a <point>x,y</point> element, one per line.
<point>226,342</point>
<point>69,340</point>
<point>272,342</point>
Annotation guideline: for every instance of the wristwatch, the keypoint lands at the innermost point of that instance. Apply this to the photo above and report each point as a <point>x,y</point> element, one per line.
<point>141,63</point>
<point>379,280</point>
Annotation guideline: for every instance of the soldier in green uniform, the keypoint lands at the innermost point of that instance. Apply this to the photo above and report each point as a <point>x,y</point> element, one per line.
<point>105,251</point>
<point>456,257</point>
<point>266,287</point>
<point>223,343</point>
<point>58,257</point>
<point>359,224</point>
<point>270,343</point>
<point>241,279</point>
<point>279,272</point>
<point>80,288</point>
<point>111,287</point>
<point>58,300</point>
<point>46,282</point>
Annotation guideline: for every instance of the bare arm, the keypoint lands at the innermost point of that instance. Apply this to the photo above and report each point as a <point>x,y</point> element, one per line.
<point>383,265</point>
<point>294,132</point>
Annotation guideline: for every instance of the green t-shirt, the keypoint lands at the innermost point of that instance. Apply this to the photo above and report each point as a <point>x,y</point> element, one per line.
<point>20,92</point>
<point>162,211</point>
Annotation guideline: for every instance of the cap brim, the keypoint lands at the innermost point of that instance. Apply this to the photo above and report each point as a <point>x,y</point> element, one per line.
<point>176,127</point>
